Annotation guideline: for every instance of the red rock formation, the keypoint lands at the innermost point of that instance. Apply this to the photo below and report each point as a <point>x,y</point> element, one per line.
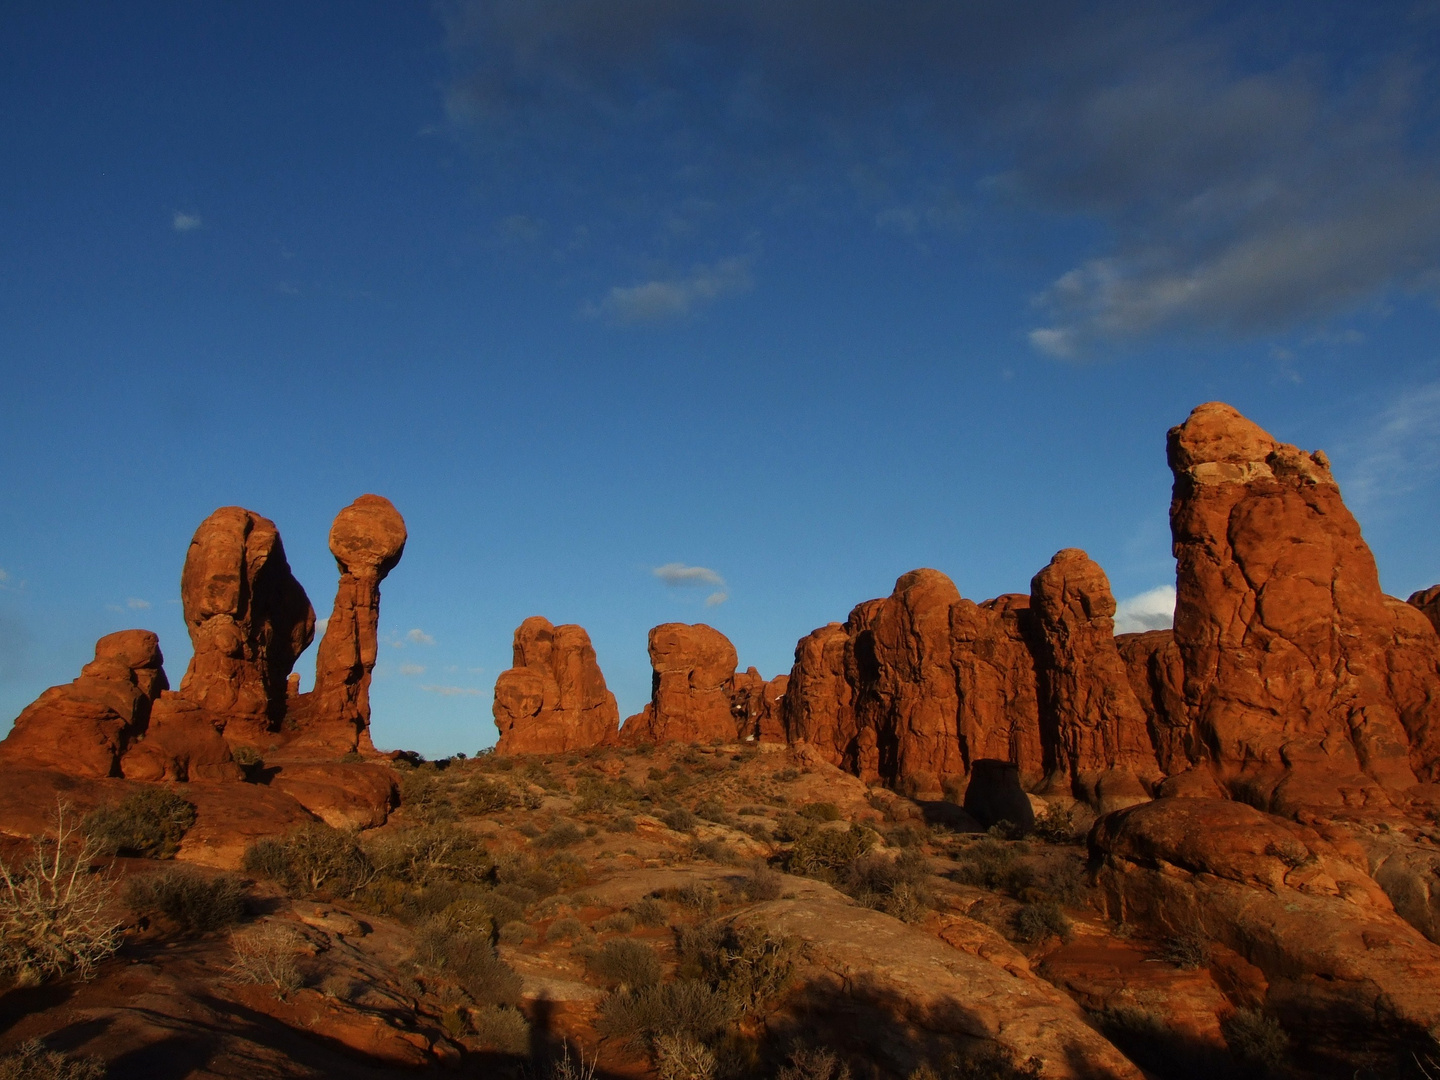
<point>554,699</point>
<point>367,540</point>
<point>249,619</point>
<point>1101,741</point>
<point>691,689</point>
<point>83,728</point>
<point>1428,601</point>
<point>995,680</point>
<point>819,702</point>
<point>181,742</point>
<point>757,706</point>
<point>1157,676</point>
<point>1306,685</point>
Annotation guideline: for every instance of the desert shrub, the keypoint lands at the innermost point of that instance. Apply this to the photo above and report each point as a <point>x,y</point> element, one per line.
<point>820,811</point>
<point>430,853</point>
<point>761,883</point>
<point>247,757</point>
<point>786,776</point>
<point>895,886</point>
<point>826,853</point>
<point>467,958</point>
<point>621,922</point>
<point>560,835</point>
<point>150,822</point>
<point>746,964</point>
<point>1056,825</point>
<point>715,851</point>
<point>992,864</point>
<point>566,929</point>
<point>681,1057</point>
<point>32,1061</point>
<point>516,932</point>
<point>810,1063</point>
<point>595,795</point>
<point>502,1029</point>
<point>539,774</point>
<point>791,827</point>
<point>425,797</point>
<point>629,965</point>
<point>1256,1039</point>
<point>713,810</point>
<point>621,823</point>
<point>526,879</point>
<point>906,835</point>
<point>1065,882</point>
<point>481,795</point>
<point>1188,949</point>
<point>649,911</point>
<point>684,1007</point>
<point>1038,922</point>
<point>679,819</point>
<point>189,899</point>
<point>313,858</point>
<point>265,955</point>
<point>52,908</point>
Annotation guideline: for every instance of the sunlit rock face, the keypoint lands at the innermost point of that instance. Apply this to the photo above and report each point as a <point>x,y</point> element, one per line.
<point>554,698</point>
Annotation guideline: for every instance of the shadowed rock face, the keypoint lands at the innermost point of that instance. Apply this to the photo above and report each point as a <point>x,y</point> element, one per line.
<point>1428,601</point>
<point>367,540</point>
<point>1305,684</point>
<point>995,680</point>
<point>83,727</point>
<point>249,619</point>
<point>554,699</point>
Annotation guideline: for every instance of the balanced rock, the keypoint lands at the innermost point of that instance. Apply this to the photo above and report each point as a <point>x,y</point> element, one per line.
<point>554,698</point>
<point>249,619</point>
<point>692,688</point>
<point>1102,741</point>
<point>84,727</point>
<point>1310,688</point>
<point>367,540</point>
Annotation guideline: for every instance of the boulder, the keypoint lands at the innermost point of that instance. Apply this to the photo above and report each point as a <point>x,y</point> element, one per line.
<point>1102,746</point>
<point>994,795</point>
<point>180,743</point>
<point>249,619</point>
<point>83,728</point>
<point>367,540</point>
<point>692,687</point>
<point>1310,690</point>
<point>554,699</point>
<point>1428,601</point>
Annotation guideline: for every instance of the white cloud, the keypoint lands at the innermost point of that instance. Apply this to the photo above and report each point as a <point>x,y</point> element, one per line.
<point>136,604</point>
<point>183,222</point>
<point>4,576</point>
<point>320,625</point>
<point>657,300</point>
<point>412,669</point>
<point>453,691</point>
<point>715,599</point>
<point>1400,449</point>
<point>419,637</point>
<point>678,575</point>
<point>1153,609</point>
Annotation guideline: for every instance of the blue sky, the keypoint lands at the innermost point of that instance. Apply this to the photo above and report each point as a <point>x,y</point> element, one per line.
<point>803,295</point>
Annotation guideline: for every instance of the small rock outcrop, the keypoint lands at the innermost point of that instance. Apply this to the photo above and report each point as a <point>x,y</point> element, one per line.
<point>554,698</point>
<point>367,540</point>
<point>249,619</point>
<point>1102,745</point>
<point>692,688</point>
<point>756,705</point>
<point>1305,684</point>
<point>1428,602</point>
<point>84,727</point>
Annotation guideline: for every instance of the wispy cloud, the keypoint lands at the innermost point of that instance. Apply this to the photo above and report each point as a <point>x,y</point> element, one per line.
<point>419,637</point>
<point>673,298</point>
<point>320,625</point>
<point>1153,609</point>
<point>183,222</point>
<point>412,669</point>
<point>1398,453</point>
<point>678,575</point>
<point>136,604</point>
<point>715,599</point>
<point>453,691</point>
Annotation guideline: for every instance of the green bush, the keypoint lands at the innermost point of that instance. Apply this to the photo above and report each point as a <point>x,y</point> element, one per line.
<point>712,810</point>
<point>745,964</point>
<point>820,811</point>
<point>808,1063</point>
<point>1188,949</point>
<point>761,884</point>
<point>993,864</point>
<point>481,795</point>
<point>561,835</point>
<point>680,819</point>
<point>827,853</point>
<point>312,859</point>
<point>430,853</point>
<point>649,911</point>
<point>516,932</point>
<point>896,886</point>
<point>425,796</point>
<point>501,1029</point>
<point>679,1057</point>
<point>1056,825</point>
<point>684,1007</point>
<point>31,1061</point>
<point>189,899</point>
<point>468,959</point>
<point>566,929</point>
<point>628,965</point>
<point>1038,922</point>
<point>150,822</point>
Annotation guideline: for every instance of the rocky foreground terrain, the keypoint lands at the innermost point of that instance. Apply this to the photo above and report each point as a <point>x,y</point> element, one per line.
<point>958,839</point>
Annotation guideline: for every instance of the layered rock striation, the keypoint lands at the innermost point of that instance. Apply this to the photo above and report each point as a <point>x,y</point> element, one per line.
<point>554,698</point>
